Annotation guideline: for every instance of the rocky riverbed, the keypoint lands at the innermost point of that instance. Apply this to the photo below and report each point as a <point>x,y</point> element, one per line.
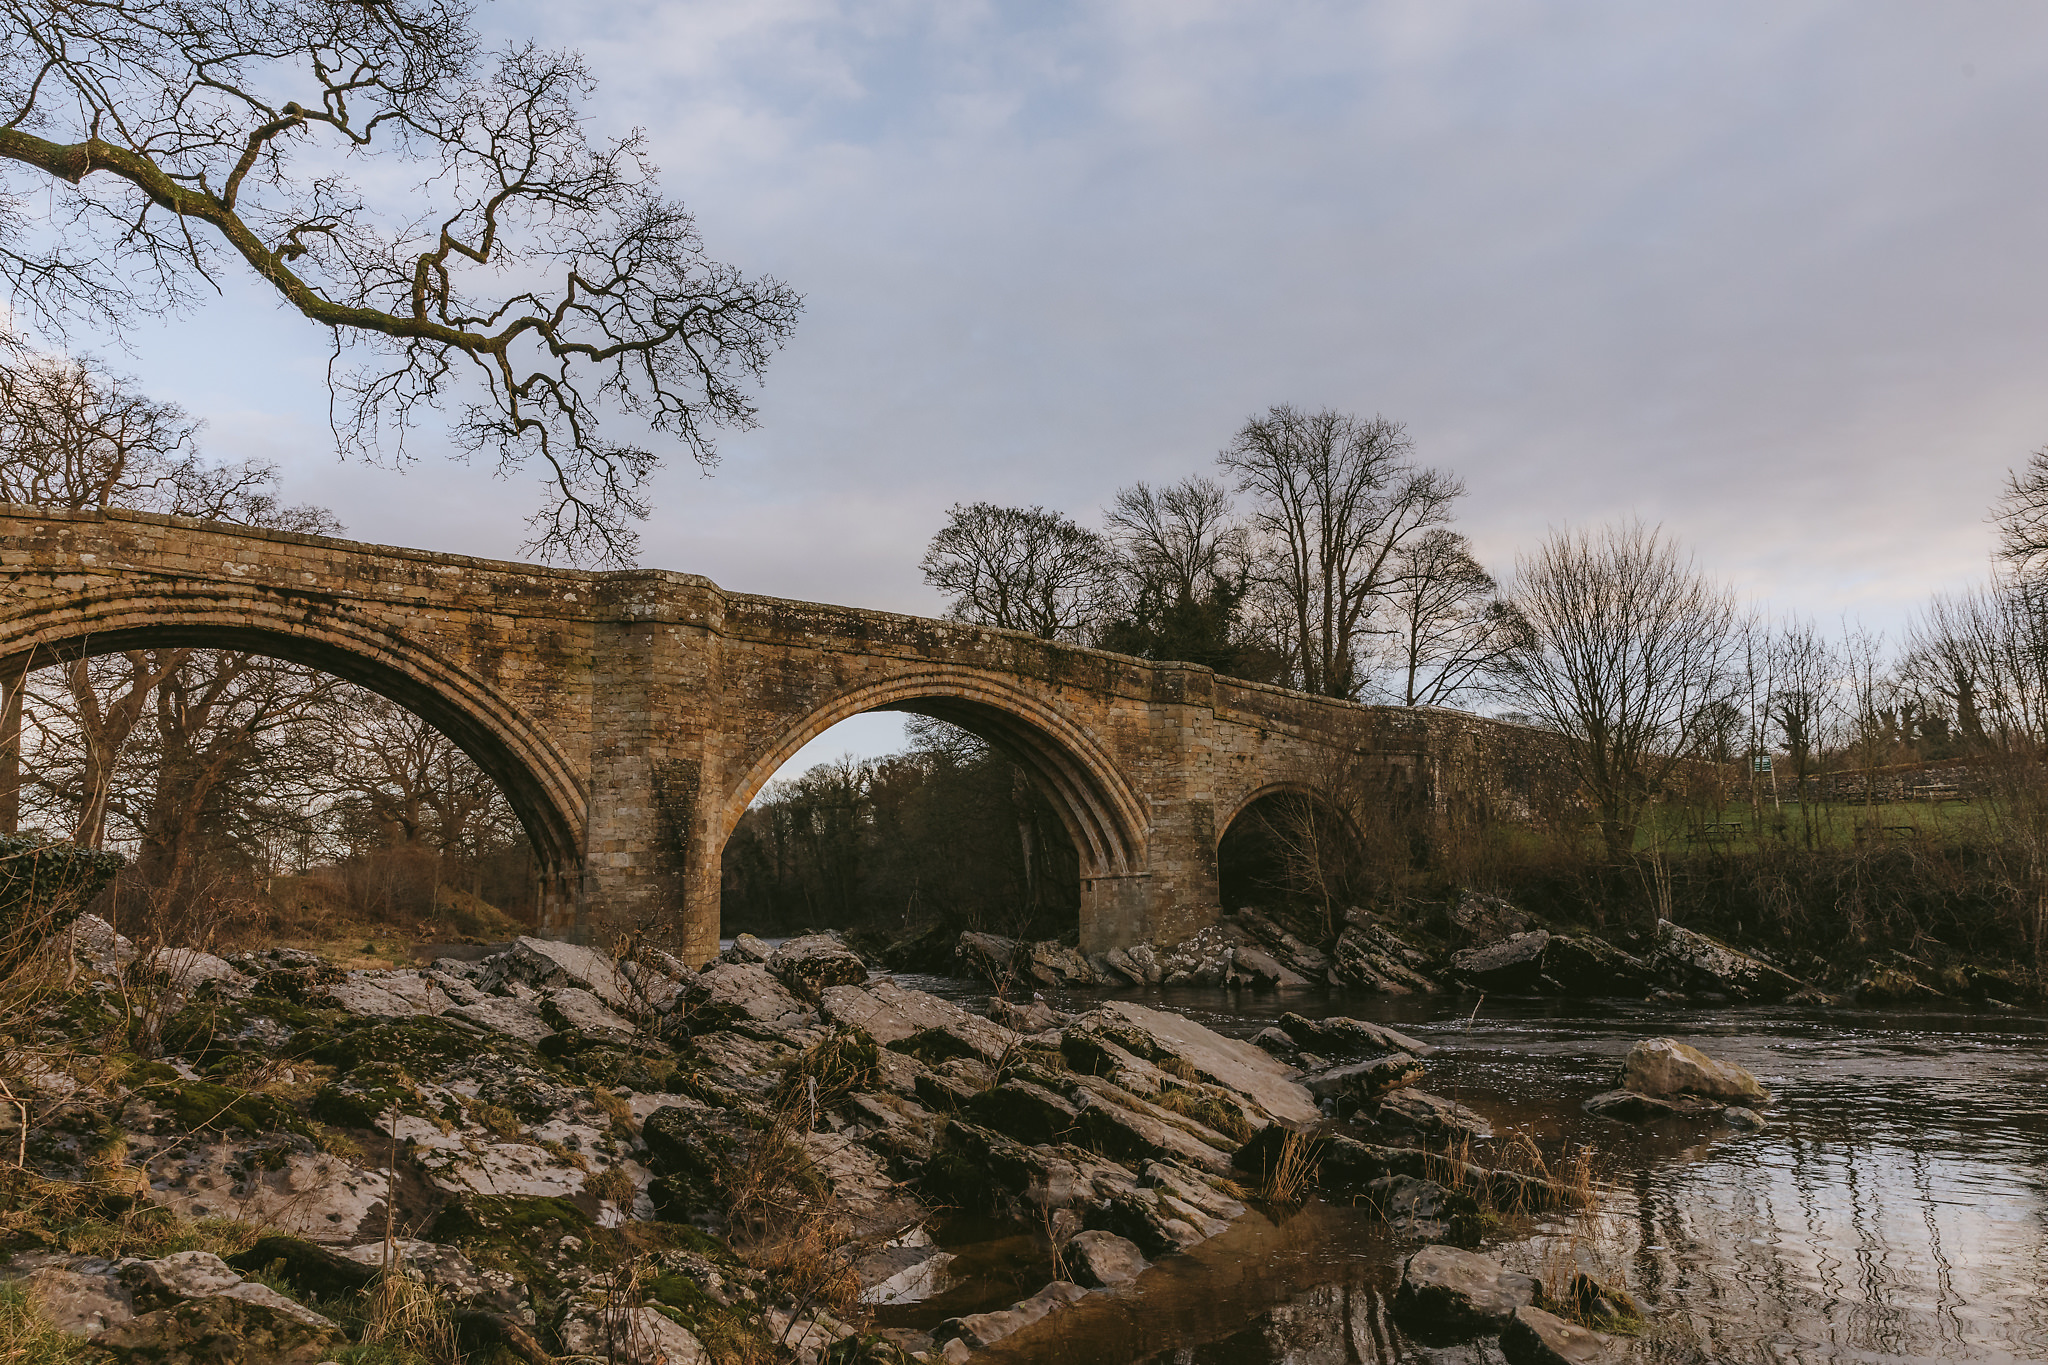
<point>550,1152</point>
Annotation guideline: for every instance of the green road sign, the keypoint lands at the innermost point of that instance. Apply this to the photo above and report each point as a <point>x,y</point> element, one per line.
<point>1760,763</point>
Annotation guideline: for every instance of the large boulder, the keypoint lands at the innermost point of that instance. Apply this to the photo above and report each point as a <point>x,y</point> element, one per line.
<point>1102,1260</point>
<point>224,1328</point>
<point>1513,966</point>
<point>727,992</point>
<point>545,964</point>
<point>1349,1039</point>
<point>1664,1068</point>
<point>1449,1294</point>
<point>1534,1337</point>
<point>1694,962</point>
<point>1266,969</point>
<point>1185,1047</point>
<point>814,963</point>
<point>1582,965</point>
<point>1368,955</point>
<point>1356,1082</point>
<point>1055,964</point>
<point>986,1329</point>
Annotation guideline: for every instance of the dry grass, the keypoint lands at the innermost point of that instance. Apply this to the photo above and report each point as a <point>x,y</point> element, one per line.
<point>406,1314</point>
<point>614,1183</point>
<point>1293,1172</point>
<point>29,1338</point>
<point>813,1266</point>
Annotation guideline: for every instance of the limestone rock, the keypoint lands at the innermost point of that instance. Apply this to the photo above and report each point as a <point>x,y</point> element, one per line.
<point>1484,919</point>
<point>1267,969</point>
<point>1035,1017</point>
<point>725,992</point>
<point>1030,1113</point>
<point>986,1329</point>
<point>815,962</point>
<point>83,1296</point>
<point>387,995</point>
<point>221,1329</point>
<point>1229,1062</point>
<point>182,1275</point>
<point>1534,1337</point>
<point>1695,962</point>
<point>990,957</point>
<point>1736,1116</point>
<point>514,1016</point>
<point>573,1008</point>
<point>1309,962</point>
<point>545,964</point>
<point>311,1194</point>
<point>746,948</point>
<point>1665,1067</point>
<point>1358,1082</point>
<point>1369,955</point>
<point>1127,1134</point>
<point>634,1336</point>
<point>1582,965</point>
<point>1514,966</point>
<point>1101,1260</point>
<point>893,1016</point>
<point>1432,1115</point>
<point>1055,964</point>
<point>1349,1039</point>
<point>1637,1108</point>
<point>1451,1294</point>
<point>1275,1042</point>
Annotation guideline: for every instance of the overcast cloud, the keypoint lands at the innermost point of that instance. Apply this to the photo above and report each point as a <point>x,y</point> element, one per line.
<point>1770,274</point>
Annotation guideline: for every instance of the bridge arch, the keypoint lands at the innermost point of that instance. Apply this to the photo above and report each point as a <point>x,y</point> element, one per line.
<point>1103,819</point>
<point>1263,846</point>
<point>323,633</point>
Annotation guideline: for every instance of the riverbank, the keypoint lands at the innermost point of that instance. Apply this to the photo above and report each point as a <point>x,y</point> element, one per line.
<point>546,1151</point>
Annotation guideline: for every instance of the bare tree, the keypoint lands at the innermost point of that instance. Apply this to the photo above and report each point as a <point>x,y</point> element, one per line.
<point>2021,515</point>
<point>1179,538</point>
<point>1806,704</point>
<point>79,435</point>
<point>492,251</point>
<point>1021,568</point>
<point>1449,628</point>
<point>1626,646</point>
<point>1334,499</point>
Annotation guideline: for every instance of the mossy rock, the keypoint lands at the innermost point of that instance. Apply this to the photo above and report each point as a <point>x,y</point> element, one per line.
<point>421,1045</point>
<point>511,1232</point>
<point>312,1271</point>
<point>204,1106</point>
<point>87,1015</point>
<point>366,1094</point>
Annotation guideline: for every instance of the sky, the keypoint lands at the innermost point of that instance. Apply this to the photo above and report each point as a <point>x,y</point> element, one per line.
<point>1768,274</point>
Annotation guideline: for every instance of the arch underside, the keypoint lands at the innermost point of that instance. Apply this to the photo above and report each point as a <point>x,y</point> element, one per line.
<point>1101,816</point>
<point>488,729</point>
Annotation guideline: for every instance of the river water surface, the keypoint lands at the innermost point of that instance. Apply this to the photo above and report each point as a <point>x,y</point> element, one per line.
<point>1896,1209</point>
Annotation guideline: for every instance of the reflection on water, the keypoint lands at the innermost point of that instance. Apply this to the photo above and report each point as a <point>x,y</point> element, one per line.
<point>1895,1210</point>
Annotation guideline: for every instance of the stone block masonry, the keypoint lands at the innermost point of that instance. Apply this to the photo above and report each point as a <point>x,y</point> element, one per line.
<point>631,716</point>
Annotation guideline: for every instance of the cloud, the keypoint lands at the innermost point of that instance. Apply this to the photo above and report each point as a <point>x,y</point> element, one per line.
<point>1766,274</point>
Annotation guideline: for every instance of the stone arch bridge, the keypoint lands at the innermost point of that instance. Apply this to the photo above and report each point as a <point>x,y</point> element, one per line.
<point>632,716</point>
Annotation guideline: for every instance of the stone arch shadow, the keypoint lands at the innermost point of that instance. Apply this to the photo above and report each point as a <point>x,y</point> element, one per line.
<point>1235,880</point>
<point>1102,817</point>
<point>537,780</point>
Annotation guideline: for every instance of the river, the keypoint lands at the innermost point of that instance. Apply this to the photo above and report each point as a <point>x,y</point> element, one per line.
<point>1896,1208</point>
